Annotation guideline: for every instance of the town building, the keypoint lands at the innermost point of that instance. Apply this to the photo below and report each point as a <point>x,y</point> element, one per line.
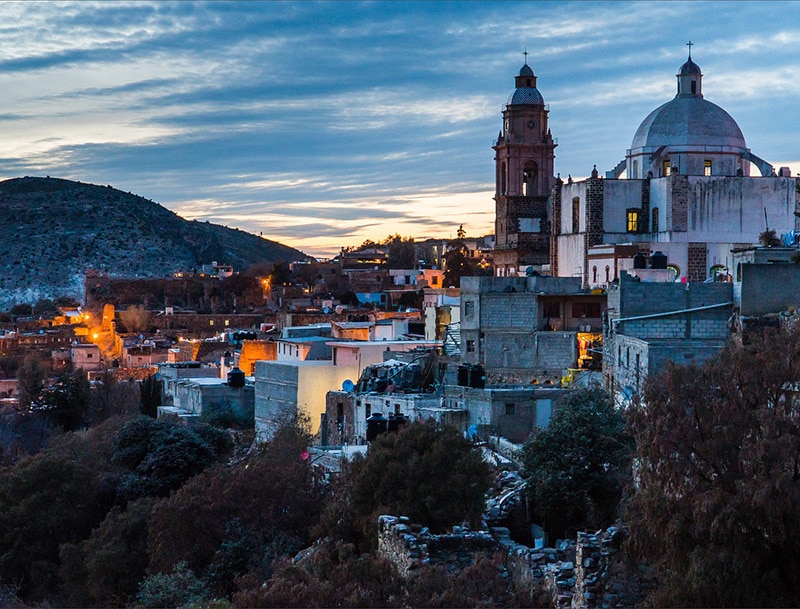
<point>529,328</point>
<point>649,324</point>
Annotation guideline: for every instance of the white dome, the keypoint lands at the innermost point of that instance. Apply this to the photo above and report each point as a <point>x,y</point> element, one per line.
<point>688,121</point>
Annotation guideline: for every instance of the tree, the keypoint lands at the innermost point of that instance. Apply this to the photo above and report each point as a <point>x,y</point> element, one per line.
<point>44,502</point>
<point>176,589</point>
<point>401,252</point>
<point>769,238</point>
<point>280,275</point>
<point>105,569</point>
<point>718,448</point>
<point>65,402</point>
<point>22,309</point>
<point>457,264</point>
<point>160,455</point>
<point>31,377</point>
<point>231,519</point>
<point>430,474</point>
<point>135,319</point>
<point>150,396</point>
<point>578,464</point>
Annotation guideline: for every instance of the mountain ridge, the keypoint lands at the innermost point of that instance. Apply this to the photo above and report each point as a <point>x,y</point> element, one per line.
<point>53,230</point>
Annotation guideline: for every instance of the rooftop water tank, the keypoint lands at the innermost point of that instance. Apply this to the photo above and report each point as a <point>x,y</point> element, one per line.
<point>658,260</point>
<point>236,378</point>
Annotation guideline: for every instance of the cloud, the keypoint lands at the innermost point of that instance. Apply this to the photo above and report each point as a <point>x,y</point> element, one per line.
<point>325,122</point>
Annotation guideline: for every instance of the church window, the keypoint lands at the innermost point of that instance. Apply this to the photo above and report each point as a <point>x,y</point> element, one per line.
<point>654,221</point>
<point>594,275</point>
<point>706,167</point>
<point>608,274</point>
<point>635,169</point>
<point>530,225</point>
<point>576,214</point>
<point>633,220</point>
<point>738,271</point>
<point>529,179</point>
<point>503,179</point>
<point>666,168</point>
<point>694,87</point>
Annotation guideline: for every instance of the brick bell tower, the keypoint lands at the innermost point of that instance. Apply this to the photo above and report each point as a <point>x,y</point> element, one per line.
<point>524,156</point>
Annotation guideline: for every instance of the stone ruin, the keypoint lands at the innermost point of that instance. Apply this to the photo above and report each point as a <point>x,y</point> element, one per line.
<point>589,572</point>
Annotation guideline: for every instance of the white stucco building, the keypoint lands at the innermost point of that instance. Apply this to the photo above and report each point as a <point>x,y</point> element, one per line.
<point>685,188</point>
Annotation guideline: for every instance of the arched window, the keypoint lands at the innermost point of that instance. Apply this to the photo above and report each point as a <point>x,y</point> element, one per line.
<point>654,220</point>
<point>503,179</point>
<point>675,269</point>
<point>594,275</point>
<point>530,179</point>
<point>608,274</point>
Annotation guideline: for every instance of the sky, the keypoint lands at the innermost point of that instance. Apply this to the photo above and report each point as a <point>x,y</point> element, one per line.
<point>320,124</point>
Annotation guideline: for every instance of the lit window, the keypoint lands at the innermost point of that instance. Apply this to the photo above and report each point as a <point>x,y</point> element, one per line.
<point>633,220</point>
<point>666,168</point>
<point>706,168</point>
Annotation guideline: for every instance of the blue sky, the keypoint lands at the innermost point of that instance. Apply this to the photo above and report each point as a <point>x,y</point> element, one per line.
<point>322,124</point>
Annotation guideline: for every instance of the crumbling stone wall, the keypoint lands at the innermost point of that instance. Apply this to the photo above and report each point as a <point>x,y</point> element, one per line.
<point>411,546</point>
<point>587,573</point>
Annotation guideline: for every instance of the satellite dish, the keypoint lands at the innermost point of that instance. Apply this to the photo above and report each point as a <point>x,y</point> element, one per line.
<point>348,386</point>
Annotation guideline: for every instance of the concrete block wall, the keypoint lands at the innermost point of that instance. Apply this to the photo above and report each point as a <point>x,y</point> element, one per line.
<point>276,388</point>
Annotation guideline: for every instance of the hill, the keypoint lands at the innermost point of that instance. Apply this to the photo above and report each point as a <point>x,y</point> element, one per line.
<point>52,231</point>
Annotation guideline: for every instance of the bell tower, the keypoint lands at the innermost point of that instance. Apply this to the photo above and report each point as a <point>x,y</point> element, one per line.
<point>524,156</point>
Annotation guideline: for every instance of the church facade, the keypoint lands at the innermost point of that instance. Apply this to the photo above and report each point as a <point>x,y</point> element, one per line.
<point>688,187</point>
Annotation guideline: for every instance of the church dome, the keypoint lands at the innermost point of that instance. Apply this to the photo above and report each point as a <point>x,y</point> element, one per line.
<point>689,67</point>
<point>526,70</point>
<point>688,121</point>
<point>525,95</point>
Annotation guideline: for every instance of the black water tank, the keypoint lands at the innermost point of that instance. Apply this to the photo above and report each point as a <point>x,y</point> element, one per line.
<point>640,261</point>
<point>235,378</point>
<point>463,375</point>
<point>392,425</point>
<point>477,377</point>
<point>376,425</point>
<point>658,260</point>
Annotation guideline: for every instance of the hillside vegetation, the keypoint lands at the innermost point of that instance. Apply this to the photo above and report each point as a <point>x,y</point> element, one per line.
<point>52,231</point>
